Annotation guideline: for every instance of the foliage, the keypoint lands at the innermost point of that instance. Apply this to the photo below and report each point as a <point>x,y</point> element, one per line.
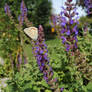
<point>9,42</point>
<point>38,12</point>
<point>30,78</point>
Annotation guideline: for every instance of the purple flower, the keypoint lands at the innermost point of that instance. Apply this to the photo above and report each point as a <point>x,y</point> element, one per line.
<point>76,32</point>
<point>63,24</point>
<point>19,59</point>
<point>88,4</point>
<point>7,9</point>
<point>63,39</point>
<point>41,51</point>
<point>41,54</point>
<point>69,22</point>
<point>68,32</point>
<point>62,31</point>
<point>75,44</point>
<point>41,68</point>
<point>75,37</point>
<point>38,62</point>
<point>23,8</point>
<point>64,19</point>
<point>39,57</point>
<point>46,78</point>
<point>62,89</point>
<point>67,47</point>
<point>23,12</point>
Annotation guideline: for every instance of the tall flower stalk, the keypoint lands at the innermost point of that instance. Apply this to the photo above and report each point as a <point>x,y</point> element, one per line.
<point>23,15</point>
<point>41,54</point>
<point>88,4</point>
<point>19,55</point>
<point>68,25</point>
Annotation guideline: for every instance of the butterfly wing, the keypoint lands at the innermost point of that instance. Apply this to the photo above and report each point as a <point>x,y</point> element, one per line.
<point>32,32</point>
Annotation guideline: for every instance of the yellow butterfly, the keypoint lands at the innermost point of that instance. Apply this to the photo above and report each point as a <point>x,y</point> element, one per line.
<point>32,32</point>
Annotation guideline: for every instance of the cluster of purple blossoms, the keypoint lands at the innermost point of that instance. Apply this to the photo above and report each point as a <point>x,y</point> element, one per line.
<point>68,25</point>
<point>41,54</point>
<point>23,13</point>
<point>8,12</point>
<point>88,4</point>
<point>7,9</point>
<point>23,16</point>
<point>20,60</point>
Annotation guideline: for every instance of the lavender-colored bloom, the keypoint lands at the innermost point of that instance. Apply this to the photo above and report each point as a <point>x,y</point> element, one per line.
<point>76,32</point>
<point>64,19</point>
<point>68,25</point>
<point>41,68</point>
<point>23,12</point>
<point>71,21</point>
<point>63,24</point>
<point>68,32</point>
<point>19,59</point>
<point>41,51</point>
<point>41,55</point>
<point>75,44</point>
<point>62,89</point>
<point>36,51</point>
<point>62,31</point>
<point>46,78</point>
<point>75,38</point>
<point>67,47</point>
<point>23,9</point>
<point>63,39</point>
<point>88,4</point>
<point>7,9</point>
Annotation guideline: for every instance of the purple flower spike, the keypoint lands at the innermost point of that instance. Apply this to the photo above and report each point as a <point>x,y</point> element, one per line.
<point>75,45</point>
<point>62,31</point>
<point>68,32</point>
<point>41,55</point>
<point>88,4</point>
<point>63,39</point>
<point>76,32</point>
<point>23,8</point>
<point>23,12</point>
<point>69,22</point>
<point>67,47</point>
<point>41,52</point>
<point>7,9</point>
<point>63,24</point>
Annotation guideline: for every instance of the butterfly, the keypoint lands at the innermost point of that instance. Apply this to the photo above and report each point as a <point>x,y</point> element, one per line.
<point>32,32</point>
